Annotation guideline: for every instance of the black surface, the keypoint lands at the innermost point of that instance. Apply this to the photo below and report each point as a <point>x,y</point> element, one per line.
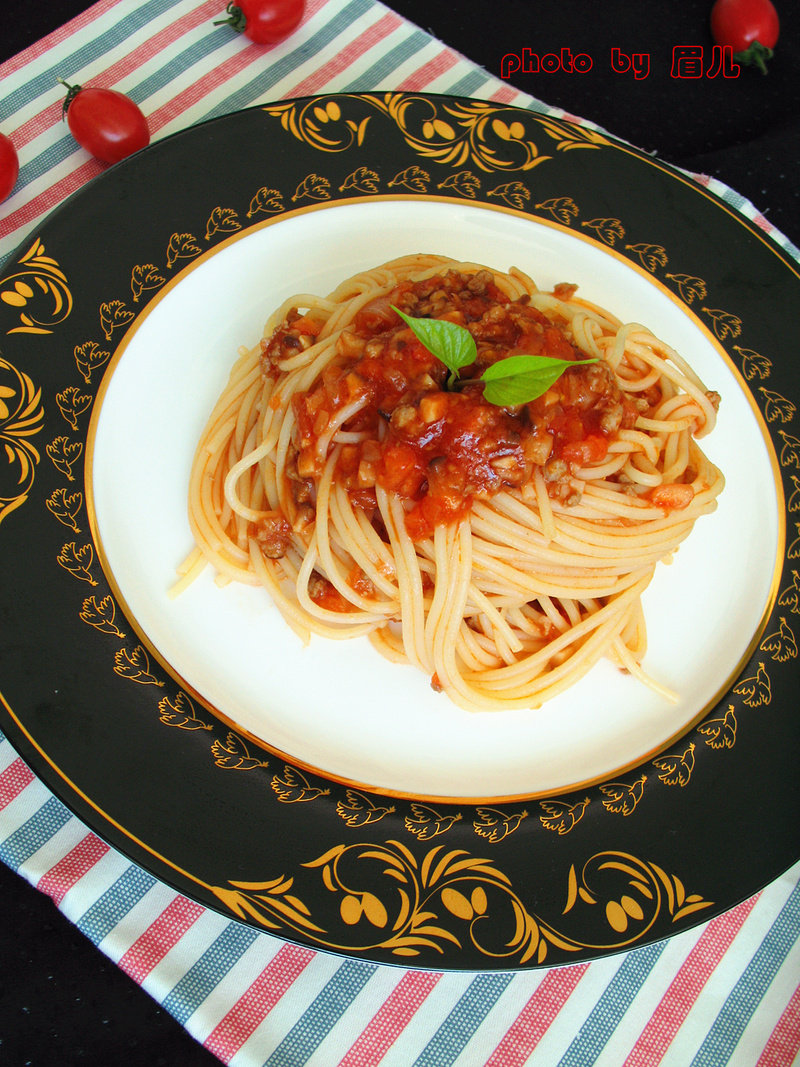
<point>744,131</point>
<point>63,1002</point>
<point>58,990</point>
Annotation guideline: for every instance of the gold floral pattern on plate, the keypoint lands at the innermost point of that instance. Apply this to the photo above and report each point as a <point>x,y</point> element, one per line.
<point>38,281</point>
<point>21,418</point>
<point>388,898</point>
<point>493,137</point>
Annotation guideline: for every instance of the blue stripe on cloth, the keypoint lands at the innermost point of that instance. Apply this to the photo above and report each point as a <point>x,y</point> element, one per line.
<point>138,16</point>
<point>470,84</point>
<point>615,1000</point>
<point>34,832</point>
<point>388,63</point>
<point>719,1045</point>
<point>53,155</point>
<point>179,64</point>
<point>272,73</point>
<point>322,1014</point>
<point>473,1006</point>
<point>200,980</point>
<point>101,918</point>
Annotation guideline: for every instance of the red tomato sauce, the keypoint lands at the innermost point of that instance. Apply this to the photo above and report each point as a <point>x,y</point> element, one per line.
<point>440,449</point>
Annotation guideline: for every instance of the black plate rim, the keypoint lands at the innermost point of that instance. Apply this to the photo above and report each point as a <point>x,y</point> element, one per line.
<point>73,790</point>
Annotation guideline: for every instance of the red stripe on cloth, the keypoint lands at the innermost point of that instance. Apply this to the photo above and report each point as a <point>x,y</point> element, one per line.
<point>64,32</point>
<point>427,73</point>
<point>162,935</point>
<point>569,117</point>
<point>111,76</point>
<point>205,85</point>
<point>390,1020</point>
<point>504,95</point>
<point>686,986</point>
<point>763,222</point>
<point>47,200</point>
<point>204,12</point>
<point>536,1017</point>
<point>368,39</point>
<point>71,868</point>
<point>257,1001</point>
<point>784,1043</point>
<point>13,780</point>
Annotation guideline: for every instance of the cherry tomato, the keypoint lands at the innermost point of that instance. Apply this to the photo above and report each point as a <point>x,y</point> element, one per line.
<point>750,27</point>
<point>104,122</point>
<point>9,166</point>
<point>264,21</point>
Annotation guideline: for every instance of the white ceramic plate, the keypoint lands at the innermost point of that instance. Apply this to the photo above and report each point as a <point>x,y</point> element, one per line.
<point>338,707</point>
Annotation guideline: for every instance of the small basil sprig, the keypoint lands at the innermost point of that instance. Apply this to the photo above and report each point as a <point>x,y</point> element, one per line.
<point>508,382</point>
<point>448,341</point>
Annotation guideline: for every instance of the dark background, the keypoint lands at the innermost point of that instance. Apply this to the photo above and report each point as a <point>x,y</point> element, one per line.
<point>744,131</point>
<point>61,1001</point>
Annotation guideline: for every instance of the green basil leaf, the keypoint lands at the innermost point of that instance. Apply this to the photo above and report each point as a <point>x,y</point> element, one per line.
<point>452,344</point>
<point>519,379</point>
<point>507,383</point>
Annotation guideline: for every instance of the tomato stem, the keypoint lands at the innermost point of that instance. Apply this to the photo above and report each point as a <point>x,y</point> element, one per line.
<point>236,18</point>
<point>72,92</point>
<point>756,55</point>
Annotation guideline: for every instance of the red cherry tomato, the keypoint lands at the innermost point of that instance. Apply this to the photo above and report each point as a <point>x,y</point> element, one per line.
<point>749,27</point>
<point>106,123</point>
<point>9,166</point>
<point>264,21</point>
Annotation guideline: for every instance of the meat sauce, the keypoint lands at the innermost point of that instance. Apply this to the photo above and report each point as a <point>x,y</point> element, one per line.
<point>440,449</point>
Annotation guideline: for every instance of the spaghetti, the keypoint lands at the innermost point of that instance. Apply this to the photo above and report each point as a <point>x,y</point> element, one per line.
<point>502,550</point>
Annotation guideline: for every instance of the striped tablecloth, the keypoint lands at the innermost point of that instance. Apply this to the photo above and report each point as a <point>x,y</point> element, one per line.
<point>725,992</point>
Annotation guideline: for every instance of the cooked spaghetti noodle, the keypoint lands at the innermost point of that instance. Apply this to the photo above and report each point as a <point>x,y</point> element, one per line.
<point>503,551</point>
